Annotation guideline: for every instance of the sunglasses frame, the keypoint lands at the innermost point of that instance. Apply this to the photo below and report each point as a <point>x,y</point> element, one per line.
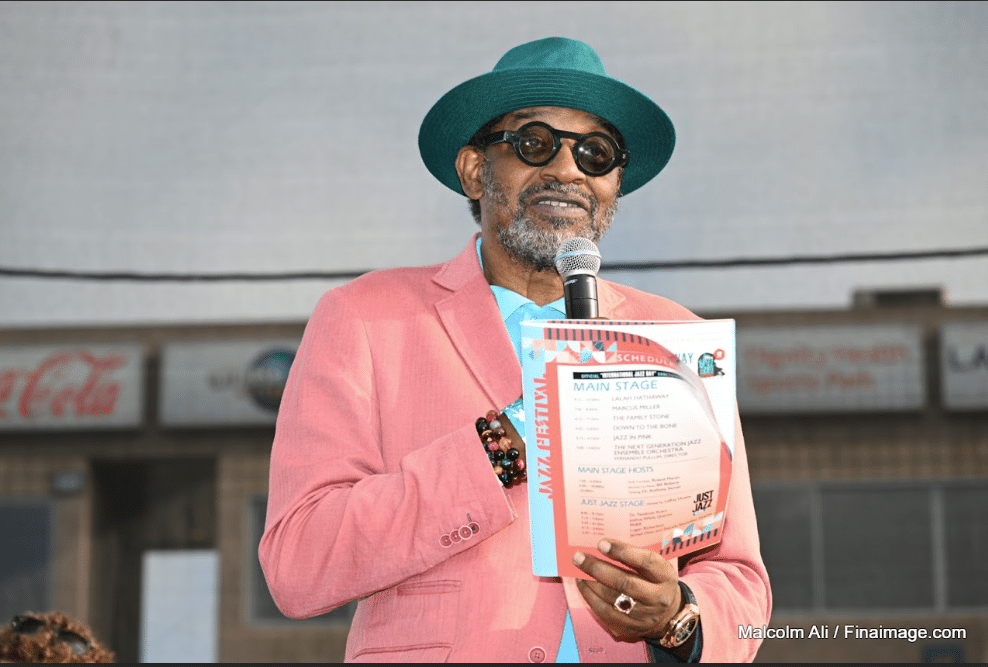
<point>30,625</point>
<point>514,137</point>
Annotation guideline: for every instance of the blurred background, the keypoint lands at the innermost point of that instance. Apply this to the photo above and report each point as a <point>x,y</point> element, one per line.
<point>180,182</point>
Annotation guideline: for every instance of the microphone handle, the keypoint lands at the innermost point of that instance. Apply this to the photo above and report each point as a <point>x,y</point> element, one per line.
<point>581,296</point>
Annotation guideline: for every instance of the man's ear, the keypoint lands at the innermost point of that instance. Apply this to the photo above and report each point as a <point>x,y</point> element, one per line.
<point>470,168</point>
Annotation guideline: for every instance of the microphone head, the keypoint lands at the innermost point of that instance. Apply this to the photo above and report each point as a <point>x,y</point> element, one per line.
<point>577,255</point>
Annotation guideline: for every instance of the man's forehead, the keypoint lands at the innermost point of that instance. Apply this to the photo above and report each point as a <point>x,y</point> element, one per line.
<point>541,113</point>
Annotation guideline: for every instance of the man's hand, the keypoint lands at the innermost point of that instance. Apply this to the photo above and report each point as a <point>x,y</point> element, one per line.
<point>516,440</point>
<point>653,583</point>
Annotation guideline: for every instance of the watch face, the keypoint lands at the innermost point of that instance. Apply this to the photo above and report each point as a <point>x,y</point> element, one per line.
<point>684,631</point>
<point>681,627</point>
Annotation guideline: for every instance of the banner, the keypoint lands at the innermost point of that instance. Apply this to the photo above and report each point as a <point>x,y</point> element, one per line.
<point>846,368</point>
<point>80,386</point>
<point>964,365</point>
<point>224,383</point>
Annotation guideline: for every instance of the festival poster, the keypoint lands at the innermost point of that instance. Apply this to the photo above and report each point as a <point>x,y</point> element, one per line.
<point>630,435</point>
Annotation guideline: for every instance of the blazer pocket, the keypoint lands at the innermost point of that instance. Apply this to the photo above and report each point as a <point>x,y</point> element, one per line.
<point>427,653</point>
<point>412,622</point>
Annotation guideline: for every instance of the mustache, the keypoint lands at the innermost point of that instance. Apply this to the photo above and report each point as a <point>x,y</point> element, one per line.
<point>525,197</point>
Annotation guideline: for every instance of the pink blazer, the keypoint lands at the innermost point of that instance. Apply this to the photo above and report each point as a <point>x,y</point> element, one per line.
<point>380,489</point>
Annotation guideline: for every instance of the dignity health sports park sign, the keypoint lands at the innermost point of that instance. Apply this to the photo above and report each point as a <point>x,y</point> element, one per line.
<point>847,368</point>
<point>83,386</point>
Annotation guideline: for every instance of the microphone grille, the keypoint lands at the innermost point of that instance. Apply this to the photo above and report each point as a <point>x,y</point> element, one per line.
<point>577,255</point>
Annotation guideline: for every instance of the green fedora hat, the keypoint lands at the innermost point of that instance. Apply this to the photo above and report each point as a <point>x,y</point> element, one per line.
<point>557,72</point>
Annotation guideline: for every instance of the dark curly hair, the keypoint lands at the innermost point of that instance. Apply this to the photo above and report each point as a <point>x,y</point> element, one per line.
<point>43,644</point>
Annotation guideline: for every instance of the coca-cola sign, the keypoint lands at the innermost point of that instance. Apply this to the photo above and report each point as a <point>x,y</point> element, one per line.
<point>71,386</point>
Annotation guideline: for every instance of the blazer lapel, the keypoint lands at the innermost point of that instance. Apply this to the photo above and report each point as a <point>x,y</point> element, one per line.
<point>473,322</point>
<point>608,298</point>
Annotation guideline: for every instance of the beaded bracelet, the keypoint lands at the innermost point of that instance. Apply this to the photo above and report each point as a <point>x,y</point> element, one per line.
<point>506,460</point>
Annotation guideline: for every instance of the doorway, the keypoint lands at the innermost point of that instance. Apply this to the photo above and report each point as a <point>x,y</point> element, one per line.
<point>143,505</point>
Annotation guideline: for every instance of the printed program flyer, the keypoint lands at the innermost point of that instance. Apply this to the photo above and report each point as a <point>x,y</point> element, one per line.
<point>624,437</point>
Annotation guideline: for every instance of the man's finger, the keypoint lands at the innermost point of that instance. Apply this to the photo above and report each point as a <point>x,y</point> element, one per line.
<point>610,575</point>
<point>620,626</point>
<point>648,564</point>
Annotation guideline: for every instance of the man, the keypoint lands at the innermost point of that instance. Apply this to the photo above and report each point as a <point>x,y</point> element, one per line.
<point>381,490</point>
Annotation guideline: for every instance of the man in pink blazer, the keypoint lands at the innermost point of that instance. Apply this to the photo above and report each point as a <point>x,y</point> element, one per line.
<point>381,489</point>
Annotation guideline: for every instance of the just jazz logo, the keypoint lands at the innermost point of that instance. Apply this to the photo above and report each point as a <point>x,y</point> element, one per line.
<point>703,501</point>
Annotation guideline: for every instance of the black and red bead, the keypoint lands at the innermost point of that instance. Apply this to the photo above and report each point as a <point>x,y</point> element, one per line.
<point>504,457</point>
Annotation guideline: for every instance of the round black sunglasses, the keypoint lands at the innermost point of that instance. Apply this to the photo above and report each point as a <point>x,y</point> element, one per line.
<point>537,143</point>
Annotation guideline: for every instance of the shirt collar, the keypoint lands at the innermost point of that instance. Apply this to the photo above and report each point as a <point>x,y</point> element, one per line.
<point>508,301</point>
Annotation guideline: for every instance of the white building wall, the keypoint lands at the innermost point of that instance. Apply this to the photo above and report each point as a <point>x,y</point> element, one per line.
<point>282,136</point>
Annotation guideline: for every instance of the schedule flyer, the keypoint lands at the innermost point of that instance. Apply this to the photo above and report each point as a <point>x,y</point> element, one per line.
<point>629,433</point>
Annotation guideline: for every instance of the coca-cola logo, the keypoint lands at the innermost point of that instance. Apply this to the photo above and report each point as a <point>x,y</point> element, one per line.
<point>64,384</point>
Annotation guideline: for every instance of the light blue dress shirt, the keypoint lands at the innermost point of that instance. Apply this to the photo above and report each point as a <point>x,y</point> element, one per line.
<point>516,309</point>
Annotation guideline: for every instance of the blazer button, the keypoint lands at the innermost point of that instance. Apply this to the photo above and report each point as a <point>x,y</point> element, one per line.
<point>444,541</point>
<point>537,654</point>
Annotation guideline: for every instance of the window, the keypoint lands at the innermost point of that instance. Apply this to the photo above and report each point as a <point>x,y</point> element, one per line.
<point>26,557</point>
<point>966,535</point>
<point>875,546</point>
<point>877,551</point>
<point>786,537</point>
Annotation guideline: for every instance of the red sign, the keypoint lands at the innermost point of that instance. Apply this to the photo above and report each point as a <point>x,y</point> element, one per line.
<point>832,368</point>
<point>70,387</point>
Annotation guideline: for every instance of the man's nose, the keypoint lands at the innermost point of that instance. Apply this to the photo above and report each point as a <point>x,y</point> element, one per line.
<point>563,167</point>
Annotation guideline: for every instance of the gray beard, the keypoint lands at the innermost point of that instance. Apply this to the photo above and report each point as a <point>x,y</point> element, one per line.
<point>535,246</point>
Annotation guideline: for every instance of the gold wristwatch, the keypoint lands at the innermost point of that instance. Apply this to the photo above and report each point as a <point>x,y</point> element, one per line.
<point>683,625</point>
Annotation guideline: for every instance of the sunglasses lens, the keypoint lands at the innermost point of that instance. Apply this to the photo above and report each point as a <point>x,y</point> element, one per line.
<point>78,645</point>
<point>26,625</point>
<point>596,155</point>
<point>536,145</point>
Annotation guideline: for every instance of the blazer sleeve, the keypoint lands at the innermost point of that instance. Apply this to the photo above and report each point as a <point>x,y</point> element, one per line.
<point>729,580</point>
<point>327,540</point>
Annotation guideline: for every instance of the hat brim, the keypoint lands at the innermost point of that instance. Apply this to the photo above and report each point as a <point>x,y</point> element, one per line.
<point>648,133</point>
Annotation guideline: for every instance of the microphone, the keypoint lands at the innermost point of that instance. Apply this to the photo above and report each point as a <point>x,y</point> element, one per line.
<point>578,261</point>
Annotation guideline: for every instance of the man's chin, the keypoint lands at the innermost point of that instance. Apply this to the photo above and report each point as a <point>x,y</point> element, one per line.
<point>535,249</point>
<point>572,225</point>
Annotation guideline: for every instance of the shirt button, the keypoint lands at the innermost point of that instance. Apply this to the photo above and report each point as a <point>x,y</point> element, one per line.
<point>537,654</point>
